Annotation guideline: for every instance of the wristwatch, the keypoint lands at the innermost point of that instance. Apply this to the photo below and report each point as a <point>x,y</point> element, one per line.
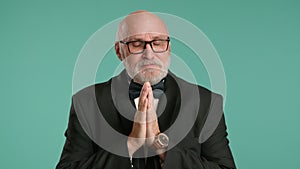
<point>161,140</point>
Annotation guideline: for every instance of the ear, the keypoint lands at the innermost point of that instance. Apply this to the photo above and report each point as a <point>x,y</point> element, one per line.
<point>118,51</point>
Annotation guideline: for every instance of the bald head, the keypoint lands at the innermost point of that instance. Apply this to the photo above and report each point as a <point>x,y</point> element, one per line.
<point>141,22</point>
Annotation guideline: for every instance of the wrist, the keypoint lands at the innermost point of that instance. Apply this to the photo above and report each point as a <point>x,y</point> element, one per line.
<point>131,147</point>
<point>160,145</point>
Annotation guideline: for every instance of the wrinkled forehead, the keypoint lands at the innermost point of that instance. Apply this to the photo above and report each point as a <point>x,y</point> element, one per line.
<point>141,24</point>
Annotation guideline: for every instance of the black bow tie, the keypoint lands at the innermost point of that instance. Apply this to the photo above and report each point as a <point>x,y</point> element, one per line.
<point>135,89</point>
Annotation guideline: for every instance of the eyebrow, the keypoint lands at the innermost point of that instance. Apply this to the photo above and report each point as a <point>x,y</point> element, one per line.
<point>135,39</point>
<point>153,38</point>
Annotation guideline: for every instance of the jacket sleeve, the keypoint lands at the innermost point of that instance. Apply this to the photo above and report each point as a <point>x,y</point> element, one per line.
<point>80,152</point>
<point>214,153</point>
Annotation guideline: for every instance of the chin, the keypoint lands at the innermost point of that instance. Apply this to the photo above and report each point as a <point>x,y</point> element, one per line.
<point>152,76</point>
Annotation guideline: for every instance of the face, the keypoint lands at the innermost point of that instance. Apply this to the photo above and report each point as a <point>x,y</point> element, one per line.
<point>148,65</point>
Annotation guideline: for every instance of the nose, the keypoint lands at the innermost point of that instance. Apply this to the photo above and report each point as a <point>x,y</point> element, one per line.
<point>148,53</point>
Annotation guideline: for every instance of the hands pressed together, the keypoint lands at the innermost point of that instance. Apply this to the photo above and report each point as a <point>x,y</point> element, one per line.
<point>145,126</point>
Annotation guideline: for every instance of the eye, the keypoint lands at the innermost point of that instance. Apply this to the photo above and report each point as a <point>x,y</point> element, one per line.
<point>137,43</point>
<point>157,42</point>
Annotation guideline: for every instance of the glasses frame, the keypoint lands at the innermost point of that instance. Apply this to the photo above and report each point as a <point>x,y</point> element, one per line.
<point>146,42</point>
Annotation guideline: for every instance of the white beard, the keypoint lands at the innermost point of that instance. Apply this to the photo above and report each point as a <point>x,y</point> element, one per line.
<point>140,76</point>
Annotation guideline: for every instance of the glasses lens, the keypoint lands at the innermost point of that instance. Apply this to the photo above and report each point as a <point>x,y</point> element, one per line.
<point>159,45</point>
<point>136,46</point>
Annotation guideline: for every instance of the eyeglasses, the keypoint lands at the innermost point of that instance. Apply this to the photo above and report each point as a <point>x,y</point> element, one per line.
<point>138,46</point>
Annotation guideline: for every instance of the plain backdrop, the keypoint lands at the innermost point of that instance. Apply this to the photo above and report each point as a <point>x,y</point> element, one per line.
<point>257,41</point>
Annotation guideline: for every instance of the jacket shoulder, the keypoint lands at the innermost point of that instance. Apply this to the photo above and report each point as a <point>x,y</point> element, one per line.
<point>91,90</point>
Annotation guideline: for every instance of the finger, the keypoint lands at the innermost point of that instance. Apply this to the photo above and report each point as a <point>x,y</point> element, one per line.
<point>140,118</point>
<point>143,104</point>
<point>151,109</point>
<point>151,98</point>
<point>143,100</point>
<point>145,89</point>
<point>151,116</point>
<point>150,94</point>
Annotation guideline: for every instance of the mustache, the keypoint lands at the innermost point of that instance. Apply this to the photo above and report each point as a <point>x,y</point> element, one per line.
<point>148,62</point>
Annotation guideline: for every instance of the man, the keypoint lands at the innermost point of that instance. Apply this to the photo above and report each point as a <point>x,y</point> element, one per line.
<point>158,98</point>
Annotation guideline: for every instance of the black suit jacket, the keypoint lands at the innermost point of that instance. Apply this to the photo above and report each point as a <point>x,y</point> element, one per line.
<point>202,146</point>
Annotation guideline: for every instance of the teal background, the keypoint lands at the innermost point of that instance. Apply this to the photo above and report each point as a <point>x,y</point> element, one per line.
<point>258,43</point>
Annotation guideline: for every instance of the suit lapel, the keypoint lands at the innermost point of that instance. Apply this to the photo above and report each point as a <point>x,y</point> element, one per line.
<point>114,103</point>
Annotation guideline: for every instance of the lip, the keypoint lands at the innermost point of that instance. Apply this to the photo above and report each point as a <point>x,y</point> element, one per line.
<point>149,66</point>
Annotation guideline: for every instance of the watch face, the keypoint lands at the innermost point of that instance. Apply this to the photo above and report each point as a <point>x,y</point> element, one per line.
<point>163,139</point>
